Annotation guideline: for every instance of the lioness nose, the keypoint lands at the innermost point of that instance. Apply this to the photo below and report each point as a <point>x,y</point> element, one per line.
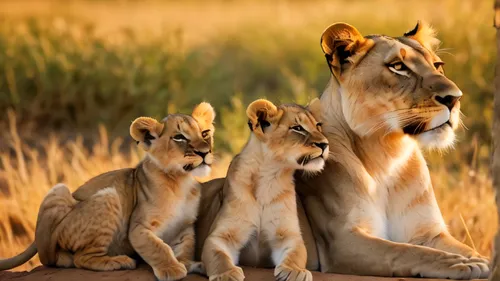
<point>448,101</point>
<point>202,154</point>
<point>321,145</point>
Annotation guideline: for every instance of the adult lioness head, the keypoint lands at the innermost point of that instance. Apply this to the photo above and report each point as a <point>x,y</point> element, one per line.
<point>393,85</point>
<point>290,132</point>
<point>180,141</point>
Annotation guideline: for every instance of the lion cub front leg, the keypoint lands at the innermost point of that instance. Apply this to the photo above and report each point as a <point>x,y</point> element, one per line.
<point>183,248</point>
<point>156,253</point>
<point>288,248</point>
<point>233,229</point>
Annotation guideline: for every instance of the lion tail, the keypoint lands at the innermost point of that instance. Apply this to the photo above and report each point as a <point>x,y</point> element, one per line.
<point>19,259</point>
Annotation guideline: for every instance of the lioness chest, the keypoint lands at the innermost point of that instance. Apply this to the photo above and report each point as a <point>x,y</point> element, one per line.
<point>397,202</point>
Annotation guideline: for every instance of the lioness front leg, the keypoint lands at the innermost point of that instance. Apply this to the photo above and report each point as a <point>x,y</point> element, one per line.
<point>364,254</point>
<point>156,253</point>
<point>446,242</point>
<point>184,247</point>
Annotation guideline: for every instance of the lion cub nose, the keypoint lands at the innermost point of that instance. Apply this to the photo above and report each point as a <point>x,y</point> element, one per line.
<point>202,154</point>
<point>448,101</point>
<point>322,145</point>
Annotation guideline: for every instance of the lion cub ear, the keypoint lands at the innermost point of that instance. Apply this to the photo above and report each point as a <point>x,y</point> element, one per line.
<point>145,130</point>
<point>261,114</point>
<point>341,41</point>
<point>315,108</point>
<point>204,114</point>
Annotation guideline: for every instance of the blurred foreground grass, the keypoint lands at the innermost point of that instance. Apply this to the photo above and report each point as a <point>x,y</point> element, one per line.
<point>66,67</point>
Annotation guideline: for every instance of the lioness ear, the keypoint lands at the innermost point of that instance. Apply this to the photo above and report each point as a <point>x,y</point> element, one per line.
<point>204,114</point>
<point>261,113</point>
<point>145,130</point>
<point>340,41</point>
<point>315,108</point>
<point>425,35</point>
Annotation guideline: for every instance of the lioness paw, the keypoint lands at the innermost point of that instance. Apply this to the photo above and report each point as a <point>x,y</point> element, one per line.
<point>234,274</point>
<point>170,272</point>
<point>454,267</point>
<point>285,273</point>
<point>483,264</point>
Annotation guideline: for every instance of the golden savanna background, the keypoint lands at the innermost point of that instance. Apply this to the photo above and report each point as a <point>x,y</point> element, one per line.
<point>74,74</point>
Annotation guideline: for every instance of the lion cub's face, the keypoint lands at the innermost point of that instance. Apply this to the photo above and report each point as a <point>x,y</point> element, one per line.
<point>179,142</point>
<point>290,133</point>
<point>394,85</point>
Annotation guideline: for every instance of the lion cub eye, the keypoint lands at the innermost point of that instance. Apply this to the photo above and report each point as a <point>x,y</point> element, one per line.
<point>399,68</point>
<point>438,64</point>
<point>205,134</point>
<point>297,128</point>
<point>179,137</point>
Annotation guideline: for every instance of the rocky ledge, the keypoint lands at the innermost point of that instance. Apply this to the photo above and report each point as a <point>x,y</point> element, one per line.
<point>144,273</point>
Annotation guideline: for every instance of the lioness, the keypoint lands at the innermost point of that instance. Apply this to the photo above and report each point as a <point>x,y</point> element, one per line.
<point>123,212</point>
<point>372,210</point>
<point>259,204</point>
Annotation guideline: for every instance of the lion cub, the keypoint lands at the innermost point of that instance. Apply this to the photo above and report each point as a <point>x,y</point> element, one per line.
<point>259,192</point>
<point>128,211</point>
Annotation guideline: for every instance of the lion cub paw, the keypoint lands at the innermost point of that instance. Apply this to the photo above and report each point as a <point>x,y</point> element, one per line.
<point>285,273</point>
<point>234,274</point>
<point>170,272</point>
<point>194,266</point>
<point>125,262</point>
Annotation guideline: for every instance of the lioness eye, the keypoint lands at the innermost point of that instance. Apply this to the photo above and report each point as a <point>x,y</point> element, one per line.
<point>179,137</point>
<point>298,128</point>
<point>398,66</point>
<point>204,134</point>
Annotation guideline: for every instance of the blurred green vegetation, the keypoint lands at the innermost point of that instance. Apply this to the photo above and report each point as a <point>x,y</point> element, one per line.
<point>61,74</point>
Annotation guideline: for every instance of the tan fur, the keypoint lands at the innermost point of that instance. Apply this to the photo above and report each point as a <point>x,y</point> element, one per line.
<point>259,202</point>
<point>148,210</point>
<point>372,210</point>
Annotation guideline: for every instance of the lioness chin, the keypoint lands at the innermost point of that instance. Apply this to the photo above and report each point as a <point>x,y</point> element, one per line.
<point>372,211</point>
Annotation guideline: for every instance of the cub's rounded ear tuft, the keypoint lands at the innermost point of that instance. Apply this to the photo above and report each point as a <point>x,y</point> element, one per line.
<point>204,114</point>
<point>261,114</point>
<point>144,130</point>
